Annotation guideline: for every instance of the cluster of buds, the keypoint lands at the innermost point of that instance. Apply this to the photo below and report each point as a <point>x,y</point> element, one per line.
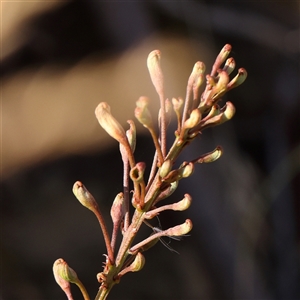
<point>199,110</point>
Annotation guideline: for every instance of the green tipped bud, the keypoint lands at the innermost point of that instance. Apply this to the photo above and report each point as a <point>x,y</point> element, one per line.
<point>183,204</point>
<point>186,170</point>
<point>181,229</point>
<point>153,64</point>
<point>142,112</point>
<point>84,196</point>
<point>165,168</point>
<point>109,123</point>
<point>136,265</point>
<point>238,79</point>
<point>117,209</point>
<point>211,156</point>
<point>193,120</point>
<point>62,270</point>
<point>58,269</point>
<point>229,65</point>
<point>137,172</point>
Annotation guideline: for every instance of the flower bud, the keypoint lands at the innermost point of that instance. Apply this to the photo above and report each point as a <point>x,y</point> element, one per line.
<point>142,112</point>
<point>109,123</point>
<point>136,265</point>
<point>193,120</point>
<point>186,170</point>
<point>153,64</point>
<point>131,135</point>
<point>229,111</point>
<point>221,87</point>
<point>225,114</point>
<point>58,269</point>
<point>196,77</point>
<point>84,196</point>
<point>210,156</point>
<point>117,209</point>
<point>61,269</point>
<point>238,79</point>
<point>229,65</point>
<point>181,229</point>
<point>220,58</point>
<point>177,104</point>
<point>183,204</point>
<point>165,168</point>
<point>167,192</point>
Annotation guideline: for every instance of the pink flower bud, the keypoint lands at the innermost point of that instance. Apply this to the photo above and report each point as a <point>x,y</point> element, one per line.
<point>84,196</point>
<point>109,123</point>
<point>142,112</point>
<point>117,210</point>
<point>153,64</point>
<point>181,229</point>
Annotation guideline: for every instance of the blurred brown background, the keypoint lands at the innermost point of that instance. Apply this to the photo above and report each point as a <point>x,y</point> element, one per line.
<point>60,59</point>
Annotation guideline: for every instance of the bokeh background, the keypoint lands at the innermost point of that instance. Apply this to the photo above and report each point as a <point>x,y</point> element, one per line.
<point>60,59</point>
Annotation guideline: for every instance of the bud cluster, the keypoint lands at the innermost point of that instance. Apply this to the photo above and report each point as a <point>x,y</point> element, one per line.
<point>199,110</point>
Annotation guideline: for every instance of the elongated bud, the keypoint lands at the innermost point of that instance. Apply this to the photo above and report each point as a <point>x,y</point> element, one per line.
<point>238,79</point>
<point>177,104</point>
<point>183,204</point>
<point>181,229</point>
<point>137,173</point>
<point>178,206</point>
<point>153,64</point>
<point>131,135</point>
<point>214,111</point>
<point>178,230</point>
<point>58,269</point>
<point>109,123</point>
<point>167,192</point>
<point>221,87</point>
<point>61,269</point>
<point>229,111</point>
<point>193,120</point>
<point>186,170</point>
<point>165,168</point>
<point>136,265</point>
<point>197,72</point>
<point>225,114</point>
<point>142,112</point>
<point>220,58</point>
<point>117,209</point>
<point>84,196</point>
<point>210,156</point>
<point>229,65</point>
